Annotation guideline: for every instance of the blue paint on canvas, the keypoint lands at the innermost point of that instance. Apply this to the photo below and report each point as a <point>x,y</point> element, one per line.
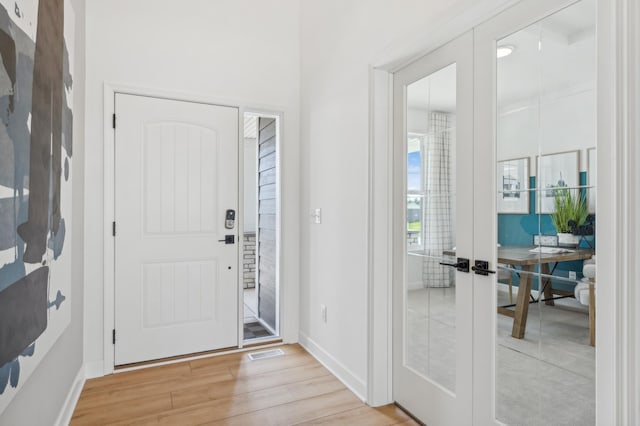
<point>35,147</point>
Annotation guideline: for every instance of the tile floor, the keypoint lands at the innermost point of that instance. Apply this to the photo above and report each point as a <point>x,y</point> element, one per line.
<point>252,327</point>
<point>250,305</point>
<point>547,378</point>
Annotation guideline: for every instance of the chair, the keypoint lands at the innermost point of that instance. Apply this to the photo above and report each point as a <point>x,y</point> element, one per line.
<point>585,294</point>
<point>506,277</point>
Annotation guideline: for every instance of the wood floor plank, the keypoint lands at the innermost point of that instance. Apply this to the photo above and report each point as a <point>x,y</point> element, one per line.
<point>296,412</point>
<point>147,375</point>
<point>409,422</point>
<point>236,358</point>
<point>114,394</point>
<point>253,401</point>
<point>383,416</point>
<point>229,389</point>
<point>151,420</point>
<point>111,413</point>
<point>241,366</point>
<point>183,398</point>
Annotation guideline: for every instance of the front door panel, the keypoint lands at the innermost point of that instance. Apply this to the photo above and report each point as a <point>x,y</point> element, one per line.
<point>176,176</point>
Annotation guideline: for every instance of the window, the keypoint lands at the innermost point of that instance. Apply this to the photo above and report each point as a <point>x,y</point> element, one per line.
<point>415,192</point>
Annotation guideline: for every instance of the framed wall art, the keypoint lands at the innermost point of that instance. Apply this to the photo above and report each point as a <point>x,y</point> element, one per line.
<point>513,186</point>
<point>555,171</point>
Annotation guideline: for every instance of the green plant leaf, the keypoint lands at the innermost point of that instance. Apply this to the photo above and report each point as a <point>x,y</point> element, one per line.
<point>568,207</point>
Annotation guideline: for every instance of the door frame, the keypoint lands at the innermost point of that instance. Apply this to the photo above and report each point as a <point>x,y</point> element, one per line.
<point>287,294</point>
<point>615,395</point>
<point>278,117</point>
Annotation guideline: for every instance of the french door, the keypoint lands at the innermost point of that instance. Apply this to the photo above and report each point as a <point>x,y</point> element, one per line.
<point>433,301</point>
<point>536,137</point>
<point>489,130</point>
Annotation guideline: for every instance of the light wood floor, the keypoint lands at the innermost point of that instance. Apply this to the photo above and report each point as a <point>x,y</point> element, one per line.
<point>231,390</point>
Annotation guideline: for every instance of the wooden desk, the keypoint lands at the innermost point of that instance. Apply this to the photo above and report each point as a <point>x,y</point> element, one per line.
<point>521,256</point>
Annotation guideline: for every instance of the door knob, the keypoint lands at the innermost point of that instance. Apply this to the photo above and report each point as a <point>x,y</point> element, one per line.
<point>482,268</point>
<point>461,265</point>
<point>228,239</point>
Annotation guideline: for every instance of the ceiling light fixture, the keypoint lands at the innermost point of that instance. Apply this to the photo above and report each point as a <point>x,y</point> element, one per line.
<point>505,50</point>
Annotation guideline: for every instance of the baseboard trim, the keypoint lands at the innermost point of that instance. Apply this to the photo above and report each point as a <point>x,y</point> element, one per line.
<point>66,413</point>
<point>94,369</point>
<point>341,372</point>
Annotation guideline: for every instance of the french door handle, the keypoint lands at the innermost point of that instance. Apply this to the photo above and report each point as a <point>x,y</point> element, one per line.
<point>482,268</point>
<point>461,265</point>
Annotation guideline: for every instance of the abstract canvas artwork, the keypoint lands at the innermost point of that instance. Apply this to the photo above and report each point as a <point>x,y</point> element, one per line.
<point>36,53</point>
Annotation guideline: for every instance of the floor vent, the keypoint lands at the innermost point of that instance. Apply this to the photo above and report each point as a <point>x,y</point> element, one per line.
<point>254,356</point>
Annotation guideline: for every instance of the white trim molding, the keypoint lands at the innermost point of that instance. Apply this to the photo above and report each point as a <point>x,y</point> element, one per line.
<point>621,69</point>
<point>66,412</point>
<point>617,212</point>
<point>379,354</point>
<point>109,242</point>
<point>342,373</point>
<point>634,139</point>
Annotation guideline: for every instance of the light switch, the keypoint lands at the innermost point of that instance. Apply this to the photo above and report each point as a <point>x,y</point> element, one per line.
<point>317,216</point>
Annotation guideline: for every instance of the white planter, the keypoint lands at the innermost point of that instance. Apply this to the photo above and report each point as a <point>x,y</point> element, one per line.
<point>567,239</point>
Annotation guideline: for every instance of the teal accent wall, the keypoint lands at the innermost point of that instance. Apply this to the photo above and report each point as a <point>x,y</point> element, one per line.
<point>519,229</point>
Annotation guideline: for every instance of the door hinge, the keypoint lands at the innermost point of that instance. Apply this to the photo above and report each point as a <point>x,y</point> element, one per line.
<point>113,230</point>
<point>114,121</point>
<point>114,336</point>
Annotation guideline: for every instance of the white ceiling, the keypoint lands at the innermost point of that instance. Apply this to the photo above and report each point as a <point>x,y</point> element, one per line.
<point>552,55</point>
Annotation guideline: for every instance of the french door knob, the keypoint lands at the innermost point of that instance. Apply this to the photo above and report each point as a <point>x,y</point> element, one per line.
<point>461,265</point>
<point>482,268</point>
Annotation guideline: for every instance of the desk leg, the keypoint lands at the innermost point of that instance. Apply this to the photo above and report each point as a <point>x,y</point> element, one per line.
<point>546,284</point>
<point>522,303</point>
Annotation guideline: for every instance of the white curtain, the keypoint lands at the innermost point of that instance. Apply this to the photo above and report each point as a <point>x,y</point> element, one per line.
<point>439,214</point>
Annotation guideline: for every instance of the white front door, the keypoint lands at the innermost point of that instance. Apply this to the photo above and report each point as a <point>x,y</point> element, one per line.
<point>432,303</point>
<point>176,176</point>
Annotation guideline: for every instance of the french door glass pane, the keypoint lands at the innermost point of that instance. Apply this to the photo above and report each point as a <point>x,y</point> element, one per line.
<point>430,288</point>
<point>546,138</point>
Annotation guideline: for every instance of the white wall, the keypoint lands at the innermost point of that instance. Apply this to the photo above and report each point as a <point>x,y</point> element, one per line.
<point>250,185</point>
<point>340,41</point>
<point>43,395</point>
<point>417,121</point>
<point>240,50</point>
<point>564,122</point>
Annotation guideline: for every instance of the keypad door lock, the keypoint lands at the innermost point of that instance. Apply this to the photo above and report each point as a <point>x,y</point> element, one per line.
<point>230,219</point>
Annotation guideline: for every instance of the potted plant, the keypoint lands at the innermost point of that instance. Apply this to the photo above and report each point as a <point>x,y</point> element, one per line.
<point>570,212</point>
